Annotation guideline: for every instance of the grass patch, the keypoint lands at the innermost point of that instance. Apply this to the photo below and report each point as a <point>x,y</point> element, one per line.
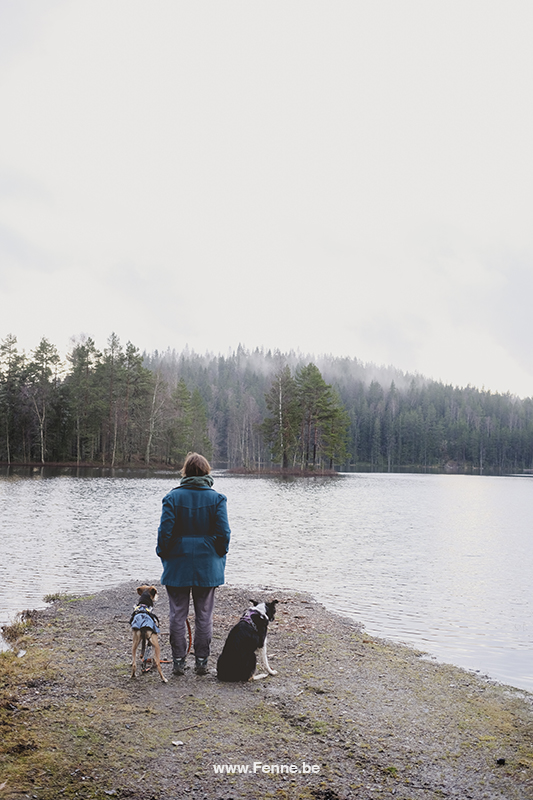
<point>61,749</point>
<point>18,629</point>
<point>23,738</point>
<point>71,599</point>
<point>54,597</point>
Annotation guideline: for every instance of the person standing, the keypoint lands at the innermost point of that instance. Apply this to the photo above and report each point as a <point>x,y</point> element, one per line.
<point>192,543</point>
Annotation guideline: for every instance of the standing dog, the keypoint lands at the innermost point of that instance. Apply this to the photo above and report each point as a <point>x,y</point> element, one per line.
<point>238,661</point>
<point>145,627</point>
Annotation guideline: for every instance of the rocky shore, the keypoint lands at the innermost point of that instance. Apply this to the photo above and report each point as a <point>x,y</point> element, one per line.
<point>347,716</point>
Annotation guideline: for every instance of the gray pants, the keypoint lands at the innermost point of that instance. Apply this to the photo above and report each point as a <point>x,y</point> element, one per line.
<point>204,601</point>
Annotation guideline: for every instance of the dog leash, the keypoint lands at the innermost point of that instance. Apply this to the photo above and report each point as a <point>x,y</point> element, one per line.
<point>189,632</point>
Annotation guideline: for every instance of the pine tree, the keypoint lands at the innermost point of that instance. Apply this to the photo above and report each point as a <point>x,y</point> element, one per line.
<point>181,426</point>
<point>83,392</point>
<point>137,397</point>
<point>11,380</point>
<point>188,429</point>
<point>319,408</point>
<point>110,375</point>
<point>199,441</point>
<point>43,383</point>
<point>282,427</point>
<point>335,426</point>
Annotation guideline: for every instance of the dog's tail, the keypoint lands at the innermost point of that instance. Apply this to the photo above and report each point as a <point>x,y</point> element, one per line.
<point>146,635</point>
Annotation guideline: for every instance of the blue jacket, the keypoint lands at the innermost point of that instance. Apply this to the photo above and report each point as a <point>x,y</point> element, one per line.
<point>194,534</point>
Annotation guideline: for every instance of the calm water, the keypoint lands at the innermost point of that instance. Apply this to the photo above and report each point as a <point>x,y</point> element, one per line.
<point>443,562</point>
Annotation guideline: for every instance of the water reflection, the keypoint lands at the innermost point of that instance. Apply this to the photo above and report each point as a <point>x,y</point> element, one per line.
<point>48,471</point>
<point>439,561</point>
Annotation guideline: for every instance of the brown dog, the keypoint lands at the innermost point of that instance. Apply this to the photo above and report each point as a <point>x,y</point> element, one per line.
<point>145,627</point>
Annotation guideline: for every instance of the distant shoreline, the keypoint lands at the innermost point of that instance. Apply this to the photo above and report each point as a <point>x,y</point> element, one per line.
<point>92,465</point>
<point>279,471</point>
<point>270,471</point>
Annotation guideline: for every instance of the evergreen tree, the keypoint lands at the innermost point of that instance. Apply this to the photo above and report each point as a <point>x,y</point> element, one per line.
<point>188,429</point>
<point>84,396</point>
<point>199,441</point>
<point>307,420</point>
<point>43,380</point>
<point>318,407</point>
<point>181,426</point>
<point>137,394</point>
<point>282,427</point>
<point>110,379</point>
<point>11,380</point>
<point>335,426</point>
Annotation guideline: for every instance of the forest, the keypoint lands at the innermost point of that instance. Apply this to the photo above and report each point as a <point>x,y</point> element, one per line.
<point>251,410</point>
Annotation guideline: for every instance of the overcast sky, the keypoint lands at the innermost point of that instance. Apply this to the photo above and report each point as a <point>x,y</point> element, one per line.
<point>351,178</point>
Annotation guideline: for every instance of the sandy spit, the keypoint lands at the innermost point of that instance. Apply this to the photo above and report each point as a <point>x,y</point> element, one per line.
<point>347,716</point>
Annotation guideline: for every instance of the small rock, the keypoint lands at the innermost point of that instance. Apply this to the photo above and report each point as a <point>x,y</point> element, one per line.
<point>177,743</point>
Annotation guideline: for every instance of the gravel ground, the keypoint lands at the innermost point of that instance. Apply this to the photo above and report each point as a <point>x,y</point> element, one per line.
<point>347,716</point>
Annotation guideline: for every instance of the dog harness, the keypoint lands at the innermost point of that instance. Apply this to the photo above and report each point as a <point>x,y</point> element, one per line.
<point>142,617</point>
<point>248,616</point>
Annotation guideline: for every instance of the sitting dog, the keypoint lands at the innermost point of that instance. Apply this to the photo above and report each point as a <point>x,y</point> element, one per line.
<point>238,661</point>
<point>145,627</point>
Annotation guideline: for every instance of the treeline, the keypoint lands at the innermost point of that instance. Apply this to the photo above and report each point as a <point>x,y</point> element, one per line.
<point>99,408</point>
<point>250,409</point>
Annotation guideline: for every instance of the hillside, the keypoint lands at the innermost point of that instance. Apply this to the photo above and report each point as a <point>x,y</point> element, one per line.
<point>121,406</point>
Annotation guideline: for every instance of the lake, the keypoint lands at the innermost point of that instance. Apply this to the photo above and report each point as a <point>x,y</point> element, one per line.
<point>442,562</point>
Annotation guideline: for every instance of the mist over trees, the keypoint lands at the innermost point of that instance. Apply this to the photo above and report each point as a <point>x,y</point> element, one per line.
<point>248,409</point>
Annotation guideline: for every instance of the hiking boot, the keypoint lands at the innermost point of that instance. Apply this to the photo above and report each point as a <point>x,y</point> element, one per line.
<point>201,666</point>
<point>179,667</point>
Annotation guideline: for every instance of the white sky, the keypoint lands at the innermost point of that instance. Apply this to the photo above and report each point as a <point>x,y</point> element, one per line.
<point>337,177</point>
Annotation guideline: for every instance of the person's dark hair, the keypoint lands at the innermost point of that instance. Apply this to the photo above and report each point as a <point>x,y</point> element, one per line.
<point>195,466</point>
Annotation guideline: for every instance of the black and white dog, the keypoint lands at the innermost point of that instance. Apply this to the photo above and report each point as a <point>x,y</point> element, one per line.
<point>238,661</point>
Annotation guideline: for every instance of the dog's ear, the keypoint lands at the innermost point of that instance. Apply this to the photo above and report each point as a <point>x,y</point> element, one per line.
<point>140,589</point>
<point>153,592</point>
<point>253,602</point>
<point>271,609</point>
